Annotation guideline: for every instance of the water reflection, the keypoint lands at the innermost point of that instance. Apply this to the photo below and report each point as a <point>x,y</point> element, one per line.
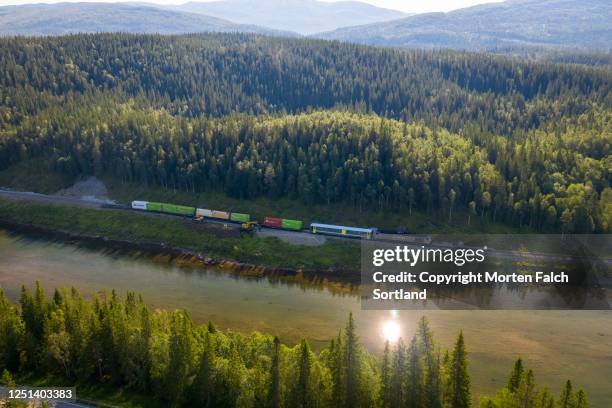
<point>391,331</point>
<point>188,265</point>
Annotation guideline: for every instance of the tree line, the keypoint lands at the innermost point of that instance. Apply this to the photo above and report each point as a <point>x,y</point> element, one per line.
<point>164,354</point>
<point>548,180</point>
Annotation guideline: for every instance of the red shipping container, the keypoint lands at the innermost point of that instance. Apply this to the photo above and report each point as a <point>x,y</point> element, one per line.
<point>273,222</point>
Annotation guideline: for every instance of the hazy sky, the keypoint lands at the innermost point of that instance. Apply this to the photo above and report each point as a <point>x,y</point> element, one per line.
<point>409,6</point>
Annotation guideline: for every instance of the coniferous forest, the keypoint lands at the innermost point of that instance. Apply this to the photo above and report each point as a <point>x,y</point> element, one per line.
<point>126,344</point>
<point>438,133</point>
<point>519,142</point>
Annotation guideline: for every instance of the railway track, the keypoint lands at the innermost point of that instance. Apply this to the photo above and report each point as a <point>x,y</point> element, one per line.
<point>303,237</point>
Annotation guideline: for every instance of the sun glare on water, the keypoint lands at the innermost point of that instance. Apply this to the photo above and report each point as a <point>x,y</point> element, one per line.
<point>391,331</point>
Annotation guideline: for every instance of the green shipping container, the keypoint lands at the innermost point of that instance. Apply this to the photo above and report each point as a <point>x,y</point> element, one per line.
<point>151,206</point>
<point>178,209</point>
<point>292,224</point>
<point>240,217</point>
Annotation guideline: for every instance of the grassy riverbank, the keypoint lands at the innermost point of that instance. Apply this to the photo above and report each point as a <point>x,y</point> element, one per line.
<point>180,233</point>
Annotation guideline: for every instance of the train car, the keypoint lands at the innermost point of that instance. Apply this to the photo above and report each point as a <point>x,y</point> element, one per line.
<point>204,212</point>
<point>294,225</point>
<point>139,205</point>
<point>168,208</point>
<point>343,231</point>
<point>221,215</point>
<point>272,222</point>
<point>282,223</point>
<point>176,209</point>
<point>239,217</point>
<point>153,206</point>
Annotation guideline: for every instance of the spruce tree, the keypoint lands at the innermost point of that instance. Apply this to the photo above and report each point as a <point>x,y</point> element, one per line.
<point>414,393</point>
<point>210,326</point>
<point>11,334</point>
<point>274,393</point>
<point>7,379</point>
<point>146,336</point>
<point>398,375</point>
<point>581,399</point>
<point>488,404</point>
<point>460,379</point>
<point>516,375</point>
<point>566,399</point>
<point>302,393</point>
<point>445,369</point>
<point>351,358</point>
<point>432,367</point>
<point>526,390</point>
<point>203,382</point>
<point>180,363</point>
<point>544,399</point>
<point>336,363</point>
<point>385,378</point>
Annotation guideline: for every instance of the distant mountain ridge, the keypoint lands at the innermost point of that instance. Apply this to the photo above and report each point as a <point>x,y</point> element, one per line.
<point>302,16</point>
<point>66,18</point>
<point>513,23</point>
<point>513,26</point>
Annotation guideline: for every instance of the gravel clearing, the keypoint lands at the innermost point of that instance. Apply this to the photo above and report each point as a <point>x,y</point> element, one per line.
<point>91,189</point>
<point>293,237</point>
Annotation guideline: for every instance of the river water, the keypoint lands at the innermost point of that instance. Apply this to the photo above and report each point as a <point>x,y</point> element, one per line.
<point>556,344</point>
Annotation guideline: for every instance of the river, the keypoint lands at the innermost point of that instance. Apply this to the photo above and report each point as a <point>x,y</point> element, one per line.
<point>556,344</point>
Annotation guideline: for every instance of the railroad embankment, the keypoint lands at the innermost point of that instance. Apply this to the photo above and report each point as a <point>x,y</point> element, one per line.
<point>178,240</point>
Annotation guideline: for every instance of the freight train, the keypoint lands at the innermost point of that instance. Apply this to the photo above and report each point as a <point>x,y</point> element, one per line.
<point>269,222</point>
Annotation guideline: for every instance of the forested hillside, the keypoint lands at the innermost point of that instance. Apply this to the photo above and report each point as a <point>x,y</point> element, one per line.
<point>219,74</point>
<point>164,354</point>
<point>496,27</point>
<point>526,143</point>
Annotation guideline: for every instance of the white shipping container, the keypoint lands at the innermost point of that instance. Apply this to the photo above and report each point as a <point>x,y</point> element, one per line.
<point>203,212</point>
<point>139,205</point>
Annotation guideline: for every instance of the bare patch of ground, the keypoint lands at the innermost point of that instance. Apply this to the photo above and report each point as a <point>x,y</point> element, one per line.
<point>220,230</point>
<point>91,189</point>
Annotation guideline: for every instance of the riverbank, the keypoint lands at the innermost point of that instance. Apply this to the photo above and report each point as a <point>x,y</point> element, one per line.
<point>179,239</point>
